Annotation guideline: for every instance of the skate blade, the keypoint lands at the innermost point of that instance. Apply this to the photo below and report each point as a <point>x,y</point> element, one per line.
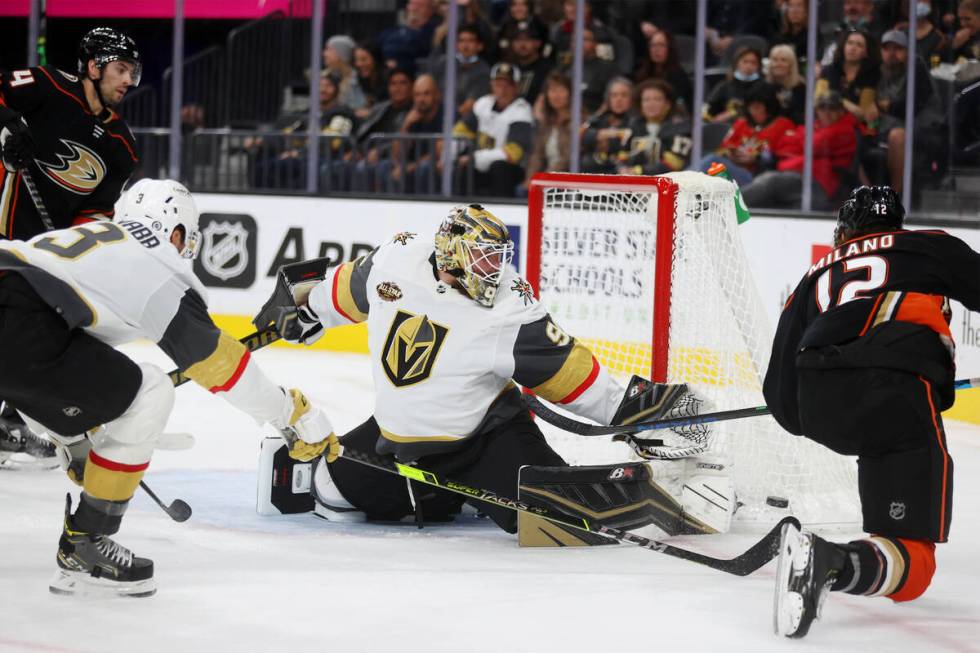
<point>77,583</point>
<point>787,609</point>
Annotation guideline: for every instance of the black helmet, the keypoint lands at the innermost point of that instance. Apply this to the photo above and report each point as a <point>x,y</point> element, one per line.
<point>105,44</point>
<point>869,209</point>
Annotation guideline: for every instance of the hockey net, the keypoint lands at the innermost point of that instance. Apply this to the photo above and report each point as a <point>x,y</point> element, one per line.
<point>651,274</point>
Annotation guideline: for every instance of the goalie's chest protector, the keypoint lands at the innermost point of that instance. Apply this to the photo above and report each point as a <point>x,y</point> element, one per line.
<point>438,358</point>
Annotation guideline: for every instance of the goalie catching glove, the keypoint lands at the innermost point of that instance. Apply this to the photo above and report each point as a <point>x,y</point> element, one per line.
<point>645,401</point>
<point>302,426</point>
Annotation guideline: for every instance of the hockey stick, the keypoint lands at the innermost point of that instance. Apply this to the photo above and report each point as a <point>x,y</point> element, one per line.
<point>754,558</point>
<point>179,510</point>
<point>252,342</point>
<point>584,428</point>
<point>42,210</point>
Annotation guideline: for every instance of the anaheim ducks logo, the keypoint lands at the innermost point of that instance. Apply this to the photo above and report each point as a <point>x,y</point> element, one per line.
<point>411,348</point>
<point>80,171</point>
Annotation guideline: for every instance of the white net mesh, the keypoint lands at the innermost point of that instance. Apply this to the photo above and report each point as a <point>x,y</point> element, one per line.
<point>597,280</point>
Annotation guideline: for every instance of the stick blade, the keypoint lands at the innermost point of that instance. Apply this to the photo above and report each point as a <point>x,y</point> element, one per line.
<point>179,510</point>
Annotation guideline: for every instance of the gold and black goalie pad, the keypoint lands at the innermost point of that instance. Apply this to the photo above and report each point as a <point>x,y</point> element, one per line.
<point>621,496</point>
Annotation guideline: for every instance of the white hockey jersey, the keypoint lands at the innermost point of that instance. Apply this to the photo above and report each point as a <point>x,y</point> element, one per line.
<point>440,361</point>
<point>500,135</point>
<point>121,283</point>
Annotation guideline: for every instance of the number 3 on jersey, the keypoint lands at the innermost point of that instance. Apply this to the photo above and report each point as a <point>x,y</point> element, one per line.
<point>876,268</point>
<point>89,237</point>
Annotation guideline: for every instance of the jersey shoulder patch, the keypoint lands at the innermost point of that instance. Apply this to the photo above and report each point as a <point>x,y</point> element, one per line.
<point>515,301</point>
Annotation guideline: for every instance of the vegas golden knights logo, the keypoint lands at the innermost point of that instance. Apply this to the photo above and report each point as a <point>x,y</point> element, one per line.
<point>411,348</point>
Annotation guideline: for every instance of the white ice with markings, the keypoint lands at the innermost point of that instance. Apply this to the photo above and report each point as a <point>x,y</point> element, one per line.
<point>231,580</point>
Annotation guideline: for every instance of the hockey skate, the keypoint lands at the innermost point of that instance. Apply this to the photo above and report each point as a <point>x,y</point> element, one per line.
<point>808,566</point>
<point>93,564</point>
<point>21,448</point>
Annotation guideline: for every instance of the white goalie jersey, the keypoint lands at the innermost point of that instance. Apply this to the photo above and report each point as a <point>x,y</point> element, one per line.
<point>441,361</point>
<point>120,282</point>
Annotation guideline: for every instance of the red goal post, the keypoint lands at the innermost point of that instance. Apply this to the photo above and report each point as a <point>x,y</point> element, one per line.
<point>666,192</point>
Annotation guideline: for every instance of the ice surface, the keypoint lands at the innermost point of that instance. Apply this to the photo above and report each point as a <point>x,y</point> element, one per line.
<point>231,580</point>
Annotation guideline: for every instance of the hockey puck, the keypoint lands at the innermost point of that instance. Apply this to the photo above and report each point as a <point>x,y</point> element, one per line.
<point>777,502</point>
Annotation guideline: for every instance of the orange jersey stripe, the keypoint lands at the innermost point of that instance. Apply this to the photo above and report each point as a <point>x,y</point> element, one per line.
<point>924,309</point>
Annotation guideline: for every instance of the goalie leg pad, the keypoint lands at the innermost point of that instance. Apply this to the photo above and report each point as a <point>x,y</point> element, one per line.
<point>708,493</point>
<point>619,496</point>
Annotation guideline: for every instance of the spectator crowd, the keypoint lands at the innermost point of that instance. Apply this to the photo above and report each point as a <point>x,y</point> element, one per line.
<point>382,106</point>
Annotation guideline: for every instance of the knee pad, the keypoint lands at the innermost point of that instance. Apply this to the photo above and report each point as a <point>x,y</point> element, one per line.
<point>130,438</point>
<point>921,567</point>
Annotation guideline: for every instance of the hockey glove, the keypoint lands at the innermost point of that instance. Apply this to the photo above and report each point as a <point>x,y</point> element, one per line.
<point>645,401</point>
<point>287,308</point>
<point>16,144</point>
<point>301,326</point>
<point>302,426</point>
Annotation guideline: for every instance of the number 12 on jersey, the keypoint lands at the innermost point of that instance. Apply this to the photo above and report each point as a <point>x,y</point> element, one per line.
<point>876,269</point>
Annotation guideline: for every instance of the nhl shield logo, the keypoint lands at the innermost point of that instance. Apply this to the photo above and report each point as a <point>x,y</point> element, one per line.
<point>225,250</point>
<point>896,510</point>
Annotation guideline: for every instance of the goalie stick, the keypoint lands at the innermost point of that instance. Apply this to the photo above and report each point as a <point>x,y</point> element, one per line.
<point>751,560</point>
<point>584,428</point>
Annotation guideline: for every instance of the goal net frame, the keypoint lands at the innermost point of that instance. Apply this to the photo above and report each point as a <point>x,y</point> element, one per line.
<point>690,209</point>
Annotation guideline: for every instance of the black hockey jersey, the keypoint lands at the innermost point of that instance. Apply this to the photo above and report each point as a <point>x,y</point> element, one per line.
<point>659,149</point>
<point>903,276</point>
<point>82,160</point>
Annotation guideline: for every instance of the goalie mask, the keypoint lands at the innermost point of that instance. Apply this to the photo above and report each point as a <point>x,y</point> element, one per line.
<point>867,210</point>
<point>164,205</point>
<point>474,246</point>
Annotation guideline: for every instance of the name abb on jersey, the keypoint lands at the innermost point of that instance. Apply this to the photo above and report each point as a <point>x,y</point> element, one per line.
<point>81,162</point>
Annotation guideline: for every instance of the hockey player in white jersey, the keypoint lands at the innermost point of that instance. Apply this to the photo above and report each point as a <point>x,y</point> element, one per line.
<point>68,296</point>
<point>451,328</point>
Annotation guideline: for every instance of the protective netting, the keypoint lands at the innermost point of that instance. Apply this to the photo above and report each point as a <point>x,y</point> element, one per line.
<point>597,280</point>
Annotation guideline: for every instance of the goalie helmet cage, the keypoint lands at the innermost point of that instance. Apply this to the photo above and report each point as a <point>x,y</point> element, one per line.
<point>650,273</point>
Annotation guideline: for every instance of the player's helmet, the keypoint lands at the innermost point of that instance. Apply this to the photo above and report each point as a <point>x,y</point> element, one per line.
<point>474,246</point>
<point>105,44</point>
<point>163,205</point>
<point>869,209</point>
